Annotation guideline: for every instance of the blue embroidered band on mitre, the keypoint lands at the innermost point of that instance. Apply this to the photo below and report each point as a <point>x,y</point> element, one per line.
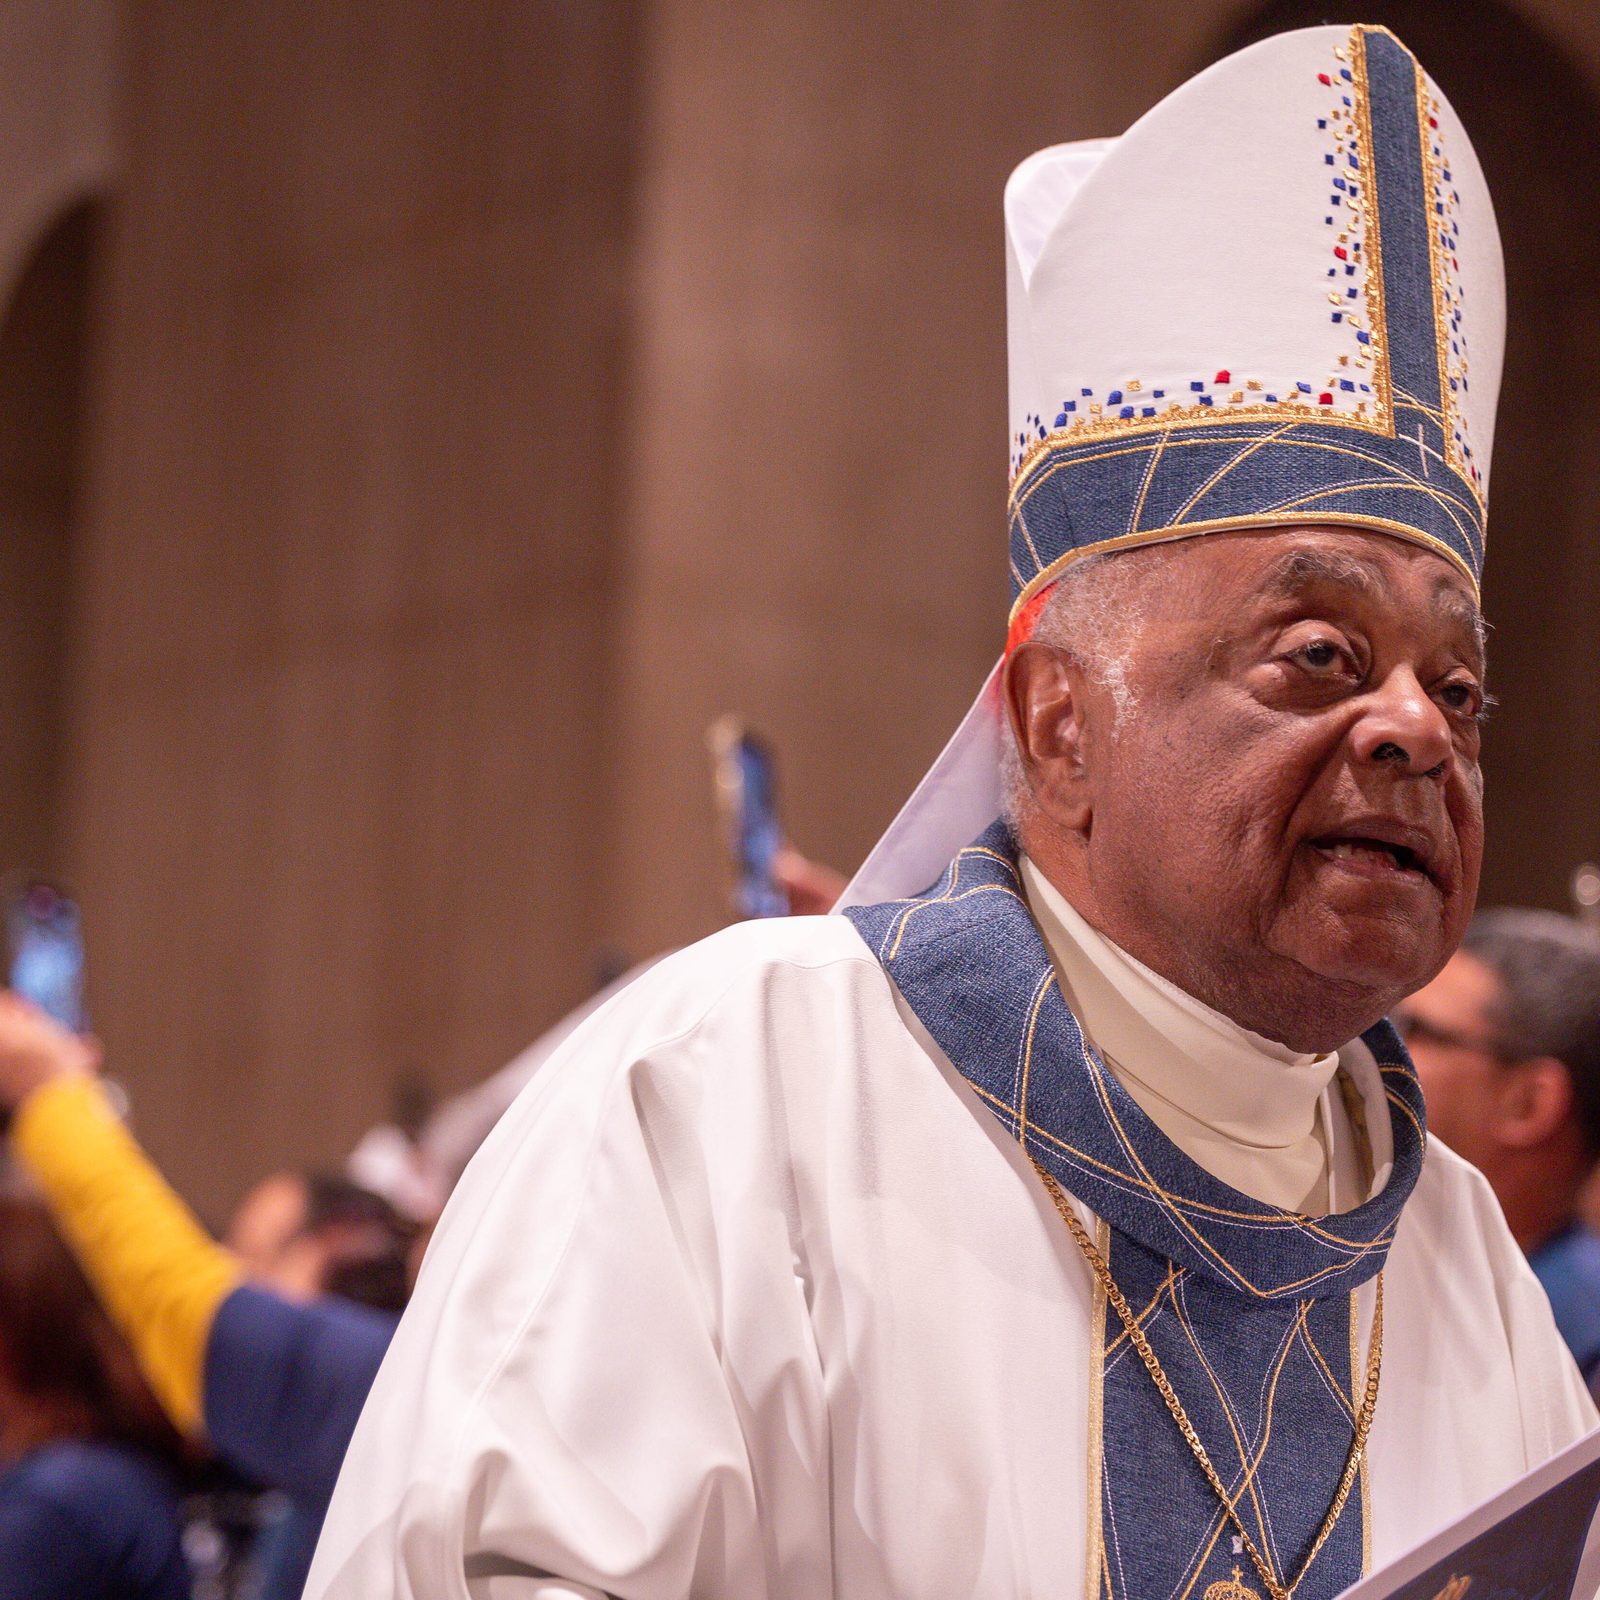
<point>1224,453</point>
<point>1249,1308</point>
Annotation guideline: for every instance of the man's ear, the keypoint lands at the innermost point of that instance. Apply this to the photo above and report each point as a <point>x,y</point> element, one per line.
<point>1044,698</point>
<point>1538,1100</point>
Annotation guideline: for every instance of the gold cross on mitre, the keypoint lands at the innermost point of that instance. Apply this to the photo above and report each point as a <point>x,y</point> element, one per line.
<point>1234,1589</point>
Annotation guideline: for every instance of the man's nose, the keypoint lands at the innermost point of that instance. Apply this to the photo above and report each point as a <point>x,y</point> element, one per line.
<point>1402,727</point>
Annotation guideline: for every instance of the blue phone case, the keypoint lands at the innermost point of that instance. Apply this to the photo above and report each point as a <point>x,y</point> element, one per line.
<point>45,944</point>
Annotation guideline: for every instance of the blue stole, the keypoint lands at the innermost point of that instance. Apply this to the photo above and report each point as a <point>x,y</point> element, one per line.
<point>1250,1309</point>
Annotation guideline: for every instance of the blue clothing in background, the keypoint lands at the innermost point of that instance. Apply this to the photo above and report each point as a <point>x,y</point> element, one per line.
<point>83,1520</point>
<point>284,1385</point>
<point>1568,1266</point>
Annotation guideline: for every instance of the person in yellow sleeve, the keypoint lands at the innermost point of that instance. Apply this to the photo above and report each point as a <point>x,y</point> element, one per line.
<point>274,1386</point>
<point>92,1475</point>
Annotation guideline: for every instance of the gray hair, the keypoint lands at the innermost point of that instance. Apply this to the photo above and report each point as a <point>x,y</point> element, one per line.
<point>1095,614</point>
<point>1548,966</point>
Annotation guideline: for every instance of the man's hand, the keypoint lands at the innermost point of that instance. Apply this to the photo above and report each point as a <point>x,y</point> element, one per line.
<point>35,1049</point>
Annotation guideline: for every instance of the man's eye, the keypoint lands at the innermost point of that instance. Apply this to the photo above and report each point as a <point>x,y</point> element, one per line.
<point>1319,655</point>
<point>1464,697</point>
<point>1322,655</point>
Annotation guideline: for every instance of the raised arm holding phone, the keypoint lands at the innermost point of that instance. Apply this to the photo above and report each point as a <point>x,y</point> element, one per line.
<point>274,1386</point>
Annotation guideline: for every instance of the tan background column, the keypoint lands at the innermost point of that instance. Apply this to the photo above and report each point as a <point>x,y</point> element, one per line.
<point>348,558</point>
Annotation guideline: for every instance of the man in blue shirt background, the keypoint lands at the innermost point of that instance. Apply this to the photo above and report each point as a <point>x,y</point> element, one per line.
<point>1506,1041</point>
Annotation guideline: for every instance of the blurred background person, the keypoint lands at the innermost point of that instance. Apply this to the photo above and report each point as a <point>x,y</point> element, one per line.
<point>273,1384</point>
<point>91,1473</point>
<point>452,1133</point>
<point>310,1233</point>
<point>1506,1041</point>
<point>266,1344</point>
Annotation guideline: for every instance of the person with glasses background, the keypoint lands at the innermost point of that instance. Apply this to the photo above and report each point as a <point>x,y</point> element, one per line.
<point>1506,1041</point>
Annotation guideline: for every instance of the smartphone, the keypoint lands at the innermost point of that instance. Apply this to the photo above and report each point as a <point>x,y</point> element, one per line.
<point>746,788</point>
<point>44,949</point>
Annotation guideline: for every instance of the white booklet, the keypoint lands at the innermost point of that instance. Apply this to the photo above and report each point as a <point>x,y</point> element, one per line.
<point>1527,1543</point>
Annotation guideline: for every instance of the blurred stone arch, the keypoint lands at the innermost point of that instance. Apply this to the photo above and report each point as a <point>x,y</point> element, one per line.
<point>45,332</point>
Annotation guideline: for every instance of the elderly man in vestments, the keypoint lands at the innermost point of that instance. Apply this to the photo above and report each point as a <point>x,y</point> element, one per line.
<point>1060,1219</point>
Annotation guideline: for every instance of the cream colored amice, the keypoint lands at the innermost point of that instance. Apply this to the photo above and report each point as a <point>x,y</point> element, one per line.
<point>1249,1110</point>
<point>748,1298</point>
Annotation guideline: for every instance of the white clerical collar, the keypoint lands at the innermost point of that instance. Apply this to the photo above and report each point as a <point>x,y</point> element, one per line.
<point>1245,1107</point>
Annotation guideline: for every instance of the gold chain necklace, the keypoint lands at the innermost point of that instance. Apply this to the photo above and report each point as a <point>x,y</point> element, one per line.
<point>1136,1338</point>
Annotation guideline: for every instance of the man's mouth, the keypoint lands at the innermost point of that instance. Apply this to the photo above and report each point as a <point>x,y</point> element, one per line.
<point>1372,856</point>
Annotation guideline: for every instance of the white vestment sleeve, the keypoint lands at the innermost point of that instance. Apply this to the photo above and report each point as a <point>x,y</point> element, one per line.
<point>608,1364</point>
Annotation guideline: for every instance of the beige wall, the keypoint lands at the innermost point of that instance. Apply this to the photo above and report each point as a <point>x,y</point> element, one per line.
<point>342,631</point>
<point>483,398</point>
